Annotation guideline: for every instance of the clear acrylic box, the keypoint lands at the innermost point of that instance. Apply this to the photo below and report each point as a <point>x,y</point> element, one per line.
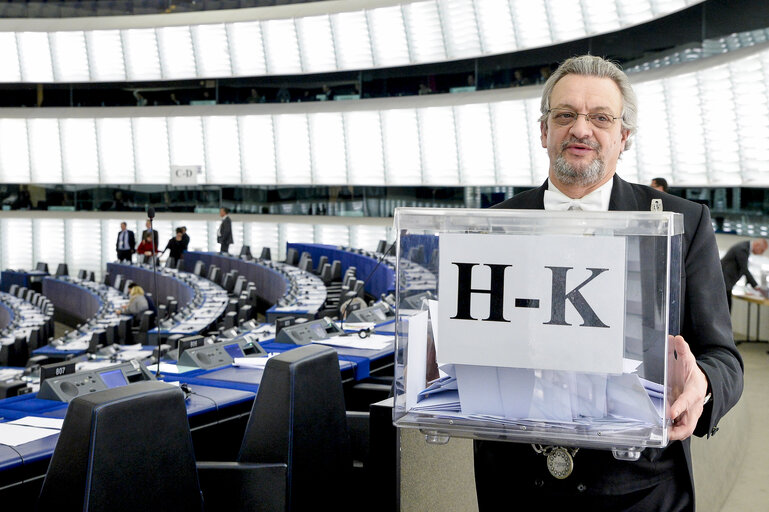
<point>537,327</point>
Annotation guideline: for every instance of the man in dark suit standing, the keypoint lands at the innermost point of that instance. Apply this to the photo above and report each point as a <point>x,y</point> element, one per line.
<point>126,243</point>
<point>154,233</point>
<point>734,264</point>
<point>224,234</point>
<point>588,118</point>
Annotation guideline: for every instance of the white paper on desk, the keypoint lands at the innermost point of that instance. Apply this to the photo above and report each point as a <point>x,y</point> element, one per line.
<point>171,368</point>
<point>251,362</point>
<point>356,326</point>
<point>93,365</point>
<point>416,357</point>
<point>74,345</point>
<point>15,435</point>
<point>127,355</point>
<point>37,421</point>
<point>371,342</point>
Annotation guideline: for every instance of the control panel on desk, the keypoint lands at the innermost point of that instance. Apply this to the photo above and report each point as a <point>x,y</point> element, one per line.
<point>305,333</point>
<point>66,387</point>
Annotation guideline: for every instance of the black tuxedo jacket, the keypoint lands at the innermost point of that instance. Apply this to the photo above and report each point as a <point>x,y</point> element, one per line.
<point>225,231</point>
<point>705,325</point>
<point>735,265</point>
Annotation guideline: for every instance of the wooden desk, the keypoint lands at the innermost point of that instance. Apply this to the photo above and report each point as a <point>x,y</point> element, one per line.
<point>759,301</point>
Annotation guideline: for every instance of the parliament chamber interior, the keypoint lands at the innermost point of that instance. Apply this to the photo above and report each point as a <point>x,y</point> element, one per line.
<point>226,228</point>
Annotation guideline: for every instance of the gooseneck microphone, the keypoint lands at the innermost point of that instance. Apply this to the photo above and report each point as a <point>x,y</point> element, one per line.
<point>150,216</point>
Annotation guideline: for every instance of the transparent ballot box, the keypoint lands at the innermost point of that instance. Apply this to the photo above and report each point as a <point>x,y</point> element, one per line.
<point>538,327</point>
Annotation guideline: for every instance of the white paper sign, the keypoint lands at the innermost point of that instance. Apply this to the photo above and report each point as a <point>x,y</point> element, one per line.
<point>185,174</point>
<point>551,302</point>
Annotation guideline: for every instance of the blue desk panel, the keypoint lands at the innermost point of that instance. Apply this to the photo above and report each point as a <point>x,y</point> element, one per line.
<point>381,281</point>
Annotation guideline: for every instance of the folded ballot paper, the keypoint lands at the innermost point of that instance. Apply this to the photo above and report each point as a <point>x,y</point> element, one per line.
<point>567,400</point>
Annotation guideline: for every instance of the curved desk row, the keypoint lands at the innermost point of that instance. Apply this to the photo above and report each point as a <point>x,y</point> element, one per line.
<point>288,290</point>
<point>89,305</point>
<point>19,317</point>
<point>200,302</point>
<point>378,269</point>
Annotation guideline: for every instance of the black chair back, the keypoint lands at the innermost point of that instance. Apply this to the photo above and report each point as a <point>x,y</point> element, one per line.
<point>200,268</point>
<point>62,270</point>
<point>265,254</point>
<point>124,449</point>
<point>298,418</point>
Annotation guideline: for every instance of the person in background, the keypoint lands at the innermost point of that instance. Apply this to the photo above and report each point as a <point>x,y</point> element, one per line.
<point>660,184</point>
<point>175,245</point>
<point>126,243</point>
<point>734,265</point>
<point>151,231</point>
<point>185,239</point>
<point>224,234</point>
<point>137,302</point>
<point>145,248</point>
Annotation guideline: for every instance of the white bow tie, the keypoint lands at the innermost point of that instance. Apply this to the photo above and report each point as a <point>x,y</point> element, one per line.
<point>557,200</point>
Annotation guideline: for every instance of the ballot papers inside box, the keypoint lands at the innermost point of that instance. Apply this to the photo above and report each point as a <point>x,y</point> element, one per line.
<point>543,327</point>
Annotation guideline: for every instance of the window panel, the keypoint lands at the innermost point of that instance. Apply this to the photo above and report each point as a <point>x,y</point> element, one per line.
<point>246,49</point>
<point>566,20</point>
<point>540,163</point>
<point>368,237</point>
<point>211,50</point>
<point>388,36</point>
<point>151,150</point>
<point>653,132</point>
<point>49,241</point>
<point>363,135</point>
<point>141,54</point>
<point>281,47</point>
<point>600,16</point>
<point>401,147</point>
<point>296,233</point>
<point>531,23</point>
<point>44,150</point>
<point>328,149</point>
<point>511,142</point>
<point>461,28</point>
<point>78,150</point>
<point>70,58</point>
<point>689,164</point>
<point>423,25</point>
<point>35,56</point>
<point>353,45</point>
<point>495,22</point>
<point>316,44</point>
<point>475,147</point>
<point>116,150</point>
<point>14,151</point>
<point>632,12</point>
<point>10,69</point>
<point>222,149</point>
<point>16,233</point>
<point>176,57</point>
<point>293,149</point>
<point>262,234</point>
<point>257,150</point>
<point>105,53</point>
<point>83,235</point>
<point>439,150</point>
<point>185,143</point>
<point>332,234</point>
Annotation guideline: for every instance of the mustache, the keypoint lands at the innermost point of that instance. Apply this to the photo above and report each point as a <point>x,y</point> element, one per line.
<point>585,142</point>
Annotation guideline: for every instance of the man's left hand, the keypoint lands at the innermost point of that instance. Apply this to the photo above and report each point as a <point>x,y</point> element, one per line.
<point>692,383</point>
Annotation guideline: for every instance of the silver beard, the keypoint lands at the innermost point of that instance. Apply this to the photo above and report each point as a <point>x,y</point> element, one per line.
<point>570,175</point>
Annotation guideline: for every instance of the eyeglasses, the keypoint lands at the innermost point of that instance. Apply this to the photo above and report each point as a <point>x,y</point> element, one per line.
<point>566,117</point>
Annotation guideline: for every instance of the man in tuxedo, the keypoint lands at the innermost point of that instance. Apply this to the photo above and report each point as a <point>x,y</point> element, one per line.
<point>734,264</point>
<point>224,234</point>
<point>151,231</point>
<point>588,119</point>
<point>126,243</point>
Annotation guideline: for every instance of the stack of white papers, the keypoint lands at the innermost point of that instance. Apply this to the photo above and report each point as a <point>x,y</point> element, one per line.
<point>371,342</point>
<point>251,362</point>
<point>28,429</point>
